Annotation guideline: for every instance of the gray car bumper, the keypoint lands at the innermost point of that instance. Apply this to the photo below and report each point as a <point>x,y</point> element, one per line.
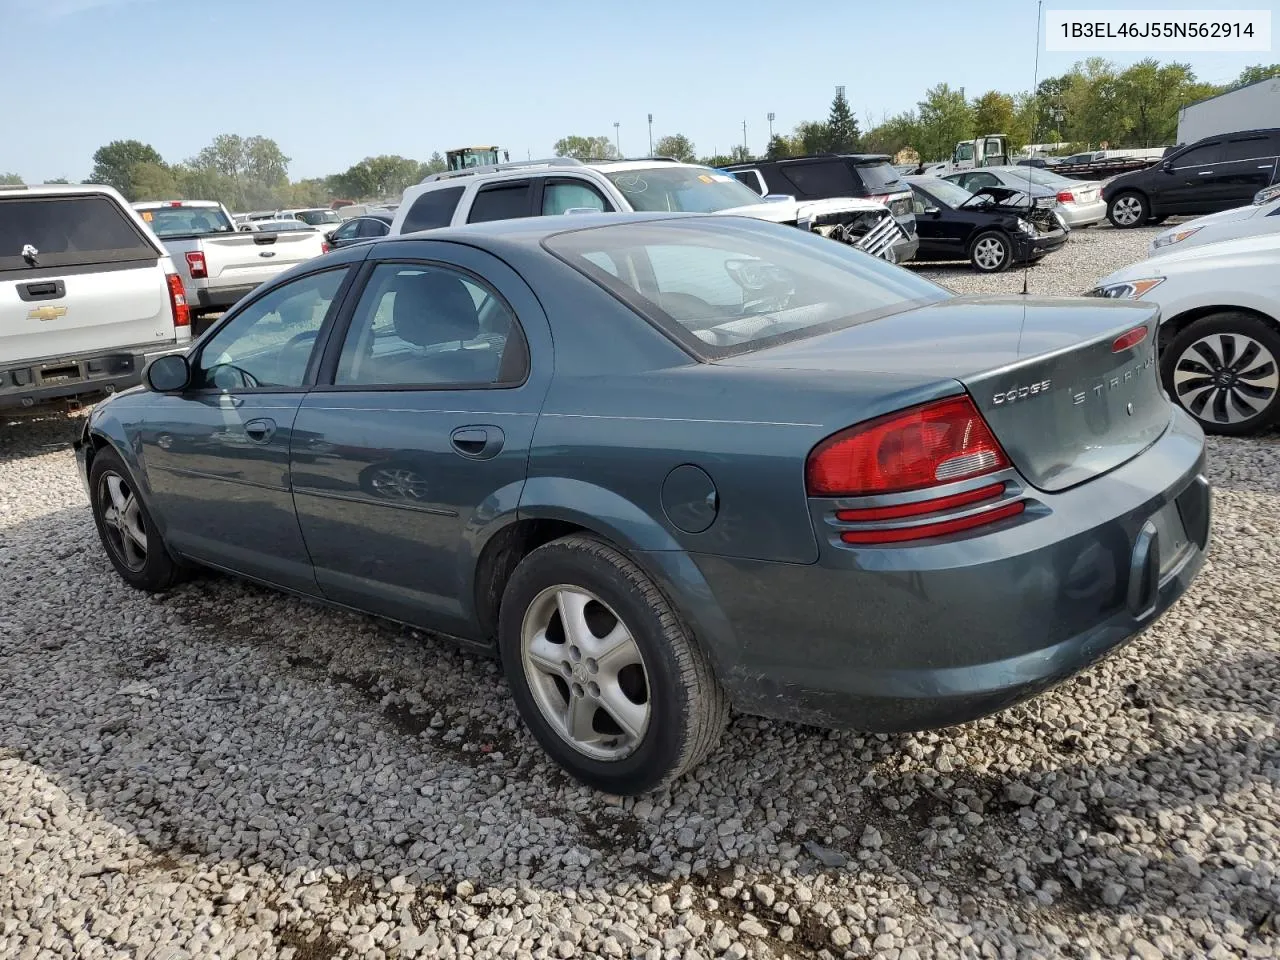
<point>36,383</point>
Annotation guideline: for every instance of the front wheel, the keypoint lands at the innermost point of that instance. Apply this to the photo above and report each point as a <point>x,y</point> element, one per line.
<point>991,252</point>
<point>128,534</point>
<point>1128,210</point>
<point>603,671</point>
<point>1223,371</point>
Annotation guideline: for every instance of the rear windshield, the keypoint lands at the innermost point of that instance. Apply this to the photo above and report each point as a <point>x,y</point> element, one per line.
<point>880,178</point>
<point>682,190</point>
<point>186,221</point>
<point>68,231</point>
<point>316,218</point>
<point>727,286</point>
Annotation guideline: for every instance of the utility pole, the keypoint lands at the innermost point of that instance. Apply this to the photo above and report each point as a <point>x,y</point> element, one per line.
<point>745,152</point>
<point>651,134</point>
<point>617,137</point>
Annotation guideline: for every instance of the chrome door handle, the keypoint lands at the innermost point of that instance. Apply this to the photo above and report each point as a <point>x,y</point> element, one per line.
<point>260,431</point>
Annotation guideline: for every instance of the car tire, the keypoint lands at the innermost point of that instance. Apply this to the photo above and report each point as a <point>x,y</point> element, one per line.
<point>991,252</point>
<point>1128,210</point>
<point>129,535</point>
<point>1156,221</point>
<point>660,683</point>
<point>1241,349</point>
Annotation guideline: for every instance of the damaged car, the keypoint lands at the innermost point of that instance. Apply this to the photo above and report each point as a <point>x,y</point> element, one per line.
<point>992,228</point>
<point>563,185</point>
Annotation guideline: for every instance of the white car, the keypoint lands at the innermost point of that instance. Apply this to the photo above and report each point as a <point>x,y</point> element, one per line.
<point>1260,217</point>
<point>322,218</point>
<point>1219,328</point>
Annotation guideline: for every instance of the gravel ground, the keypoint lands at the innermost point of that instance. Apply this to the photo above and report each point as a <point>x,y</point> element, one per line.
<point>226,772</point>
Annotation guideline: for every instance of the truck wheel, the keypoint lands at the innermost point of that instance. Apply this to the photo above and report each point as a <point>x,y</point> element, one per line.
<point>991,252</point>
<point>1128,210</point>
<point>603,671</point>
<point>1222,370</point>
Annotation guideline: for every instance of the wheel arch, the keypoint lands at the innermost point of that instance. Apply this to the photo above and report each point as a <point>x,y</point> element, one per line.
<point>1172,326</point>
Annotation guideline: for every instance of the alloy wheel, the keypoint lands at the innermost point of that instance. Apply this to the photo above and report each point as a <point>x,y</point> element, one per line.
<point>1127,211</point>
<point>122,520</point>
<point>1226,378</point>
<point>989,253</point>
<point>586,672</point>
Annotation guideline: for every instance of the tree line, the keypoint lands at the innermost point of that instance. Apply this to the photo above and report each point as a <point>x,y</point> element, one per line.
<point>1091,103</point>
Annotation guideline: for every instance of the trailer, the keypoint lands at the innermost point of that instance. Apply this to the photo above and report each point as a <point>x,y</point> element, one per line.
<point>1102,169</point>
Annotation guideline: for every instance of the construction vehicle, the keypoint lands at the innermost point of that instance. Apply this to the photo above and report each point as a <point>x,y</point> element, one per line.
<point>991,150</point>
<point>466,157</point>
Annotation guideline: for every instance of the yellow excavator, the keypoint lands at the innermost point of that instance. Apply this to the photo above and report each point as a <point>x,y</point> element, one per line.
<point>464,157</point>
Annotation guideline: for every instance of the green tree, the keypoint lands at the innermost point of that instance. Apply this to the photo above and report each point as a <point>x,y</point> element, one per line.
<point>54,180</point>
<point>945,119</point>
<point>810,137</point>
<point>113,163</point>
<point>434,165</point>
<point>1152,95</point>
<point>1094,103</point>
<point>893,135</point>
<point>842,126</point>
<point>779,147</point>
<point>1257,72</point>
<point>740,154</point>
<point>675,145</point>
<point>153,181</point>
<point>719,160</point>
<point>993,113</point>
<point>586,148</point>
<point>11,179</point>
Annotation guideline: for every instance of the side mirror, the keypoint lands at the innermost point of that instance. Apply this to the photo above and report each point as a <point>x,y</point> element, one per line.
<point>1167,166</point>
<point>779,198</point>
<point>168,374</point>
<point>329,236</point>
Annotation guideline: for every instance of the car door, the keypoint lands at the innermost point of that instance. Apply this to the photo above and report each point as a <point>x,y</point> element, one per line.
<point>420,430</point>
<point>216,455</point>
<point>558,195</point>
<point>929,227</point>
<point>1248,165</point>
<point>1185,186</point>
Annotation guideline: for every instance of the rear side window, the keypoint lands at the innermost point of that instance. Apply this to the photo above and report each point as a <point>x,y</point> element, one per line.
<point>752,179</point>
<point>827,179</point>
<point>502,201</point>
<point>68,231</point>
<point>1252,148</point>
<point>433,209</point>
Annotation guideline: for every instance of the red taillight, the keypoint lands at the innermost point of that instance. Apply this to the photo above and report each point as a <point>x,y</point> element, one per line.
<point>178,301</point>
<point>924,446</point>
<point>324,247</point>
<point>921,507</point>
<point>941,528</point>
<point>1130,339</point>
<point>1066,196</point>
<point>175,203</point>
<point>196,264</point>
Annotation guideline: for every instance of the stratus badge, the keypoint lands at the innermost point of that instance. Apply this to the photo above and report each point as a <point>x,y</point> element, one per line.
<point>47,313</point>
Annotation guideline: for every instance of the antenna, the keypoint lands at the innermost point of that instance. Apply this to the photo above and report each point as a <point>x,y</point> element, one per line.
<point>1035,136</point>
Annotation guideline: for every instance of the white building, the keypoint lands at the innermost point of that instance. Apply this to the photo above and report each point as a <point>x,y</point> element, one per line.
<point>1255,107</point>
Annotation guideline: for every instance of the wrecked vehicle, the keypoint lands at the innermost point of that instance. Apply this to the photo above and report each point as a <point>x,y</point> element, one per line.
<point>993,228</point>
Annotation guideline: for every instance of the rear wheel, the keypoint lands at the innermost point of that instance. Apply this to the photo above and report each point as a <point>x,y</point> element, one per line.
<point>1223,371</point>
<point>991,252</point>
<point>1128,210</point>
<point>602,670</point>
<point>128,534</point>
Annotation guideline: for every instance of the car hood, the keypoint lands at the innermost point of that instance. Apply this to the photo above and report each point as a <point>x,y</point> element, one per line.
<point>1262,251</point>
<point>1222,216</point>
<point>788,211</point>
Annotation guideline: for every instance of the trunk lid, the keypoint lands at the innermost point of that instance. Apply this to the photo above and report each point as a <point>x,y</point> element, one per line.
<point>93,279</point>
<point>1065,406</point>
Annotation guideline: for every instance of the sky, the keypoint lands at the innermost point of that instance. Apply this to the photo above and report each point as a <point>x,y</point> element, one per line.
<point>333,81</point>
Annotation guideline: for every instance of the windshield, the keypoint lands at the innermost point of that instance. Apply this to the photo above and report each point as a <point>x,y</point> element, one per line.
<point>682,190</point>
<point>952,194</point>
<point>187,221</point>
<point>723,287</point>
<point>317,217</point>
<point>879,178</point>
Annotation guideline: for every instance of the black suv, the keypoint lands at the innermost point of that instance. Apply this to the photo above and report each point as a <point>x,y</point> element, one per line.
<point>1216,173</point>
<point>869,176</point>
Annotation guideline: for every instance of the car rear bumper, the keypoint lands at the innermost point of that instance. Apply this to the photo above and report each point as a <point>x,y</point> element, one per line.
<point>905,638</point>
<point>220,298</point>
<point>1083,214</point>
<point>35,383</point>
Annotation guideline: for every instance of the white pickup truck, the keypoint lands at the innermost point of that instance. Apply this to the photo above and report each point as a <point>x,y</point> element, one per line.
<point>218,263</point>
<point>88,296</point>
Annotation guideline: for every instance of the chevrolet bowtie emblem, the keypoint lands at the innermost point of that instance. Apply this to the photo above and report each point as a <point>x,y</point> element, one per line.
<point>47,313</point>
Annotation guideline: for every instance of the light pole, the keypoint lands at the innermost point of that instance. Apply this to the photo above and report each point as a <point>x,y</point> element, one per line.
<point>746,155</point>
<point>771,118</point>
<point>651,134</point>
<point>617,137</point>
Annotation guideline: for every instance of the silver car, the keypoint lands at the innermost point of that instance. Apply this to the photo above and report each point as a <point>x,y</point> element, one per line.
<point>1080,202</point>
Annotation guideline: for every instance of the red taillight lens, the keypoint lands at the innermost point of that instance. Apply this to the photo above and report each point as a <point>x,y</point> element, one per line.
<point>899,511</point>
<point>178,302</point>
<point>324,247</point>
<point>924,446</point>
<point>1066,196</point>
<point>196,264</point>
<point>1129,339</point>
<point>939,529</point>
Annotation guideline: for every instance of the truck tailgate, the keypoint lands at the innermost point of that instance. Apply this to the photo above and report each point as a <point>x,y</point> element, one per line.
<point>95,311</point>
<point>245,258</point>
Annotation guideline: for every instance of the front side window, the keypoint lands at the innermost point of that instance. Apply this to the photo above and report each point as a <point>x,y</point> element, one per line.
<point>431,326</point>
<point>347,231</point>
<point>560,196</point>
<point>964,151</point>
<point>268,344</point>
<point>732,287</point>
<point>1199,156</point>
<point>952,194</point>
<point>501,201</point>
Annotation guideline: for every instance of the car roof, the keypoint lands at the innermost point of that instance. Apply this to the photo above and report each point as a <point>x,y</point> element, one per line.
<point>48,189</point>
<point>528,231</point>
